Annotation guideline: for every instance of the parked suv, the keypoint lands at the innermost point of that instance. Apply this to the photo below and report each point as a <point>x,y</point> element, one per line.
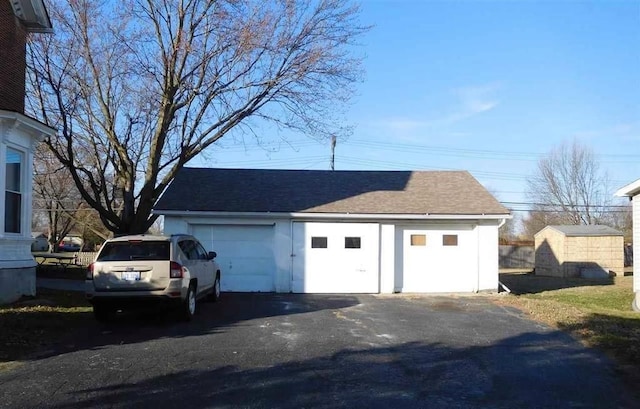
<point>142,269</point>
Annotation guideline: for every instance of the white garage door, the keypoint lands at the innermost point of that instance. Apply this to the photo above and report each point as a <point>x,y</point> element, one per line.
<point>245,255</point>
<point>439,259</point>
<point>335,257</point>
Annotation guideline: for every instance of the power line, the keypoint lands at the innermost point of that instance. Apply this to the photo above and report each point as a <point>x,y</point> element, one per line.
<point>586,206</point>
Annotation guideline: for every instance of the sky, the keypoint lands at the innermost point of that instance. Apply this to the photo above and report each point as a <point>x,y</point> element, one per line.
<point>485,86</point>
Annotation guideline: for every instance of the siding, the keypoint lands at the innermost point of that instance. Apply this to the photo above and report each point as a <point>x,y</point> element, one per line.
<point>562,256</point>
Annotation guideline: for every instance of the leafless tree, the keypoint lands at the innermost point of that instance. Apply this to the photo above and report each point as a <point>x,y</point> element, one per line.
<point>138,88</point>
<point>55,197</point>
<point>569,187</point>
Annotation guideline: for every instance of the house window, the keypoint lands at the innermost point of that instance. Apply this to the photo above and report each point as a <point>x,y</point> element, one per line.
<point>449,239</point>
<point>318,242</point>
<point>352,242</point>
<point>13,191</point>
<point>418,240</point>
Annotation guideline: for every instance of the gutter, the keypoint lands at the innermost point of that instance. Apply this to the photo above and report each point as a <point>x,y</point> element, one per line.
<point>351,216</point>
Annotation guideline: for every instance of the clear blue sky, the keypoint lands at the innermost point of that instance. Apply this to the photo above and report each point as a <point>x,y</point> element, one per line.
<point>484,86</point>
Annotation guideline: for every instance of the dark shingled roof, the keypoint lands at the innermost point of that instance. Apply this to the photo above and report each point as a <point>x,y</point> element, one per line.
<point>587,230</point>
<point>318,191</point>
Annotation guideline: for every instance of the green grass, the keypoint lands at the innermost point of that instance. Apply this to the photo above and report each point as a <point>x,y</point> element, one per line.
<point>35,323</point>
<point>597,312</point>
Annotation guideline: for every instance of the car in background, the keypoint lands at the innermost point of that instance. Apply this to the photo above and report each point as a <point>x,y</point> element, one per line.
<point>135,270</point>
<point>70,244</point>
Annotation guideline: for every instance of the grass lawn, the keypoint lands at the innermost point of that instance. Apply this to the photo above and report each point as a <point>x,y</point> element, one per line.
<point>33,324</point>
<point>597,312</point>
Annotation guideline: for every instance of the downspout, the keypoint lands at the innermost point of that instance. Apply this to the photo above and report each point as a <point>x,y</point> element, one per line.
<point>479,263</point>
<point>499,283</point>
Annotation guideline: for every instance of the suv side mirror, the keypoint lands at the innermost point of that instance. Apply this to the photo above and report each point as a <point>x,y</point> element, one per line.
<point>212,255</point>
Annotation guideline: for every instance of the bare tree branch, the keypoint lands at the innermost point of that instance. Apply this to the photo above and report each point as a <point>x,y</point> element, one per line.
<point>569,188</point>
<point>138,88</point>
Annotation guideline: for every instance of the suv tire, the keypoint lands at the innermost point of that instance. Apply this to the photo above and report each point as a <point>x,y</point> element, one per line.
<point>215,294</point>
<point>189,304</point>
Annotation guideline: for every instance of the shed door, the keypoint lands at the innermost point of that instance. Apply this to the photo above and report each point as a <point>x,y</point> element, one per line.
<point>245,255</point>
<point>439,259</point>
<point>335,257</point>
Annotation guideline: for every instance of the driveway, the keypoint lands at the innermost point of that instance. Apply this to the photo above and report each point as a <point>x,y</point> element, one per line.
<point>297,351</point>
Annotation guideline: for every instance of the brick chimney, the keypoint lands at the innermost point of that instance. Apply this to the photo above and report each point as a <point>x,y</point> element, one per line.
<point>13,40</point>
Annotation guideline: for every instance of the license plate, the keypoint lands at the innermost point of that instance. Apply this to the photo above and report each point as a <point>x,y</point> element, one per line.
<point>131,275</point>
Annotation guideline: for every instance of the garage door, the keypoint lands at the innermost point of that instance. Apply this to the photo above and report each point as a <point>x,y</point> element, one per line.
<point>245,255</point>
<point>439,259</point>
<point>335,257</point>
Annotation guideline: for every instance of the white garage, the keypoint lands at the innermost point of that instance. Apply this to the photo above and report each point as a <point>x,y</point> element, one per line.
<point>342,231</point>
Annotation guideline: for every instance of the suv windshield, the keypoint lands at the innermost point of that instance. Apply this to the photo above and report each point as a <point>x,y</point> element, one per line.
<point>134,250</point>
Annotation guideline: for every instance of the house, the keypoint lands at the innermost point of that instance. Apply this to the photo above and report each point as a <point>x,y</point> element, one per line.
<point>579,251</point>
<point>19,135</point>
<point>40,242</point>
<point>310,231</point>
<point>632,191</point>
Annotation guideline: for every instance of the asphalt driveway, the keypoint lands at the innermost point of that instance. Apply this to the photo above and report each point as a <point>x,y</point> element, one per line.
<point>304,351</point>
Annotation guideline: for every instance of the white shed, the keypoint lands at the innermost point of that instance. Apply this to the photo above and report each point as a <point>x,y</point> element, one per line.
<point>632,191</point>
<point>340,231</point>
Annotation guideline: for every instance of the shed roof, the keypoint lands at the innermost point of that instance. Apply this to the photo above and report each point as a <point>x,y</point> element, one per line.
<point>318,191</point>
<point>586,230</point>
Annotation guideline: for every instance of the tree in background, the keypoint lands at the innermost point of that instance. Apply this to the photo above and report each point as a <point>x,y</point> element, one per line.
<point>568,188</point>
<point>58,206</point>
<point>55,197</point>
<point>138,88</point>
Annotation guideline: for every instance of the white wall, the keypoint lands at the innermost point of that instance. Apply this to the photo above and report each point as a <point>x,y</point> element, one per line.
<point>636,244</point>
<point>488,256</point>
<point>17,266</point>
<point>483,263</point>
<point>387,258</point>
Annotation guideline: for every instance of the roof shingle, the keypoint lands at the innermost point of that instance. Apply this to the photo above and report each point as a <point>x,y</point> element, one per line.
<point>586,230</point>
<point>317,191</point>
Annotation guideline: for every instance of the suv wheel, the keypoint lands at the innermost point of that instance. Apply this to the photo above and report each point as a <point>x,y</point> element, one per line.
<point>215,294</point>
<point>189,304</point>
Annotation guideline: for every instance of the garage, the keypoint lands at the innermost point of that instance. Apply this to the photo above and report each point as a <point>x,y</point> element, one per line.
<point>437,259</point>
<point>335,257</point>
<point>245,254</point>
<point>314,231</point>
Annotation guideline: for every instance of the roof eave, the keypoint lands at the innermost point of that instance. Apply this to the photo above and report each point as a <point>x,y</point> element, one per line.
<point>308,215</point>
<point>34,127</point>
<point>630,190</point>
<point>33,15</point>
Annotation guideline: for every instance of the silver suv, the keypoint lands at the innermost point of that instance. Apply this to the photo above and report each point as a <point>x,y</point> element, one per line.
<point>142,269</point>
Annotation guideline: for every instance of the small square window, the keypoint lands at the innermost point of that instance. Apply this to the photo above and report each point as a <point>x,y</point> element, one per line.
<point>352,242</point>
<point>449,239</point>
<point>318,242</point>
<point>418,240</point>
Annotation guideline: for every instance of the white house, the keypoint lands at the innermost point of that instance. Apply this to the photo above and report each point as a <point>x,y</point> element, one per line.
<point>340,231</point>
<point>19,135</point>
<point>632,191</point>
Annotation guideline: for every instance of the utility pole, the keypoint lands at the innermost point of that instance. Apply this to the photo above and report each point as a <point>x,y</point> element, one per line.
<point>333,151</point>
